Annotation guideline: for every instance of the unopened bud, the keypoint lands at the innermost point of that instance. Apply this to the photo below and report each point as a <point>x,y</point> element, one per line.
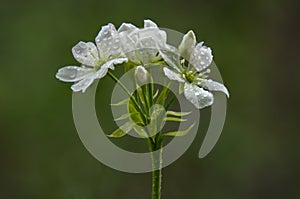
<point>141,75</point>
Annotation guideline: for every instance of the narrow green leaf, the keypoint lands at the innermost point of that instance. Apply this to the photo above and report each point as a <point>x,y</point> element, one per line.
<point>155,94</point>
<point>122,117</point>
<point>142,96</point>
<point>171,101</point>
<point>163,95</point>
<point>178,114</point>
<point>179,133</point>
<point>123,130</point>
<point>135,115</point>
<point>123,102</point>
<point>174,119</point>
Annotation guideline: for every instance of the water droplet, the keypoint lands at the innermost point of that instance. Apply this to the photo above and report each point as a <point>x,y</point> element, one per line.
<point>202,62</point>
<point>73,75</point>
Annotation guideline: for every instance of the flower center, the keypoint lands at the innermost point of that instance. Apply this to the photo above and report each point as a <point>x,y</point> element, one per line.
<point>190,76</point>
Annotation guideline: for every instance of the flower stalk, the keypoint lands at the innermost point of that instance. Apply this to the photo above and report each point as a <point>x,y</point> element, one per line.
<point>157,171</point>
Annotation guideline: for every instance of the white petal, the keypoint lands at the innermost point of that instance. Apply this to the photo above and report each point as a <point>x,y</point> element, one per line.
<point>187,45</point>
<point>86,53</point>
<point>159,36</point>
<point>147,50</point>
<point>214,86</point>
<point>108,65</point>
<point>171,56</point>
<point>149,24</point>
<point>73,73</point>
<point>128,46</point>
<point>108,42</point>
<point>198,96</point>
<point>83,84</point>
<point>146,41</point>
<point>126,27</point>
<point>201,57</point>
<point>172,75</point>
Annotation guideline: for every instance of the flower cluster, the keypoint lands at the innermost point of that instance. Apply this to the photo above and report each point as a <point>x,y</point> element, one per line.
<point>139,47</point>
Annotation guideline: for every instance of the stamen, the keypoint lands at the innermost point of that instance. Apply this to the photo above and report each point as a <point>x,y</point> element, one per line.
<point>206,72</point>
<point>182,61</point>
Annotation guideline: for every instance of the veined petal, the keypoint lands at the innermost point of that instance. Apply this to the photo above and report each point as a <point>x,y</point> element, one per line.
<point>214,86</point>
<point>172,75</point>
<point>128,45</point>
<point>147,50</point>
<point>201,57</point>
<point>126,27</point>
<point>141,45</point>
<point>108,42</point>
<point>187,45</point>
<point>171,56</point>
<point>86,53</point>
<point>149,24</point>
<point>73,73</point>
<point>83,84</point>
<point>198,96</point>
<point>159,36</point>
<point>108,65</point>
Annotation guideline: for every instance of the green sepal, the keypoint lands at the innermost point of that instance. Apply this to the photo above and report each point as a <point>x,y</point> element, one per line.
<point>123,130</point>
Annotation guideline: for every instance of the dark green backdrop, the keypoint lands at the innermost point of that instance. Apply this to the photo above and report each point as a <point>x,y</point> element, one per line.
<point>256,47</point>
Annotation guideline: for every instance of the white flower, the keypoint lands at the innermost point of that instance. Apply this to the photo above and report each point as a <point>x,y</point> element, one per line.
<point>140,45</point>
<point>196,85</point>
<point>95,60</point>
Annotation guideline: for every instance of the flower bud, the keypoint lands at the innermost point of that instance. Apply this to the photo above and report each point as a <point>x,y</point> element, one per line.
<point>141,75</point>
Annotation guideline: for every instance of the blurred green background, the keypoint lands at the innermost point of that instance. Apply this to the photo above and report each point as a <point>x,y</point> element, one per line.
<point>256,47</point>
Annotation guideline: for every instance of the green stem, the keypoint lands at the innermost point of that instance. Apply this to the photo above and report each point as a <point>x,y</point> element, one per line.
<point>136,104</point>
<point>157,169</point>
